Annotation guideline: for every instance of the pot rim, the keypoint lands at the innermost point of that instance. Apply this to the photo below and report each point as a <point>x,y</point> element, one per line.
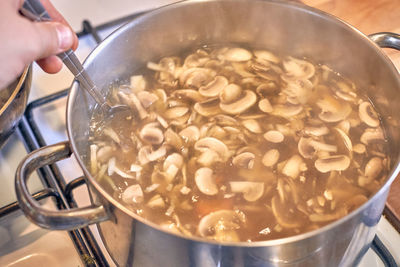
<point>312,11</point>
<point>18,87</point>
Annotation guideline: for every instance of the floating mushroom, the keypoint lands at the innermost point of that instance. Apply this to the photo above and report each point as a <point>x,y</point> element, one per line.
<point>373,168</point>
<point>176,112</point>
<point>205,181</point>
<point>372,135</point>
<point>189,94</point>
<point>147,98</point>
<point>112,168</point>
<point>132,101</point>
<point>287,110</point>
<point>212,144</point>
<point>172,165</point>
<point>156,202</point>
<point>251,191</point>
<point>138,83</point>
<point>190,134</point>
<point>297,69</point>
<point>345,138</point>
<point>221,225</point>
<point>332,110</point>
<point>151,134</point>
<point>316,130</point>
<point>266,56</point>
<point>368,115</point>
<point>252,125</point>
<point>213,88</point>
<point>196,77</point>
<point>294,166</point>
<point>274,136</point>
<point>332,163</point>
<point>308,147</point>
<point>244,160</point>
<point>133,194</point>
<point>230,93</point>
<point>208,108</point>
<point>244,102</point>
<point>270,158</point>
<point>265,106</point>
<point>235,54</point>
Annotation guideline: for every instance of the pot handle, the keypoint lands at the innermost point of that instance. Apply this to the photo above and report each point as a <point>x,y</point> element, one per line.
<point>46,218</point>
<point>386,39</point>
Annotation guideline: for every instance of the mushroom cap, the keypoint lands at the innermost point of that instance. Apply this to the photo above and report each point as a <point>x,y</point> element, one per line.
<point>230,93</point>
<point>205,181</point>
<point>252,191</point>
<point>235,54</point>
<point>212,144</point>
<point>244,102</point>
<point>244,160</point>
<point>208,108</point>
<point>252,125</point>
<point>270,158</point>
<point>190,133</point>
<point>332,163</point>
<point>368,115</point>
<point>213,88</point>
<point>274,136</point>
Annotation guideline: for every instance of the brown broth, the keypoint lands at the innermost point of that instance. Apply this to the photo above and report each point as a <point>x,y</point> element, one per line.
<point>326,168</point>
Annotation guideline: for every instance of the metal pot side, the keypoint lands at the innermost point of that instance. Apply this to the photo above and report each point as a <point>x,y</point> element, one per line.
<point>287,27</point>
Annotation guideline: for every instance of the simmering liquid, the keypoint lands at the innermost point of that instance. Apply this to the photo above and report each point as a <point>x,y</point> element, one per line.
<point>234,144</point>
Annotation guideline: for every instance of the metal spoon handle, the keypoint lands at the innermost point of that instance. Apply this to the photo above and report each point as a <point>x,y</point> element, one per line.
<point>35,11</point>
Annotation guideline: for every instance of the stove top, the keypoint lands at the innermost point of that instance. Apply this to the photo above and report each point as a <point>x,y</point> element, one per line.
<point>24,244</point>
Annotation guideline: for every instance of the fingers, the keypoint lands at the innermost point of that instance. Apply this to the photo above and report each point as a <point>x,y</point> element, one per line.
<point>56,16</point>
<point>50,38</point>
<point>51,64</point>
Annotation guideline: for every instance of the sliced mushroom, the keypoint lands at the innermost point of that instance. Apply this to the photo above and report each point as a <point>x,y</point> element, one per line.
<point>316,131</point>
<point>372,135</point>
<point>172,165</point>
<point>299,91</point>
<point>112,168</point>
<point>294,166</point>
<point>132,101</point>
<point>251,191</point>
<point>156,202</point>
<point>368,115</point>
<point>104,153</point>
<point>213,88</point>
<point>274,136</point>
<point>244,160</point>
<point>332,163</point>
<point>208,158</point>
<point>266,56</point>
<point>345,138</point>
<point>373,168</point>
<point>190,134</point>
<point>151,134</point>
<point>332,110</point>
<point>173,139</point>
<point>297,69</point>
<point>235,54</point>
<point>265,106</point>
<point>176,112</point>
<point>146,98</point>
<point>93,158</point>
<point>270,158</point>
<point>221,225</point>
<point>208,108</point>
<point>190,94</point>
<point>196,77</point>
<point>281,214</point>
<point>205,181</point>
<point>252,125</point>
<point>359,148</point>
<point>132,194</point>
<point>224,120</point>
<point>308,147</point>
<point>230,93</point>
<point>244,102</point>
<point>287,110</point>
<point>212,144</point>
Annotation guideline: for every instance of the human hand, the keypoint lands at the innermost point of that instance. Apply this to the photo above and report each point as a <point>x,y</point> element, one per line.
<point>24,41</point>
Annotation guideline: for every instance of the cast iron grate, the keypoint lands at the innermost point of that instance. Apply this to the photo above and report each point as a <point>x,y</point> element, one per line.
<point>62,192</point>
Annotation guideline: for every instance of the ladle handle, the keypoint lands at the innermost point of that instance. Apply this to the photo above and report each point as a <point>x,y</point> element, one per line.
<point>46,218</point>
<point>35,11</point>
<point>386,39</point>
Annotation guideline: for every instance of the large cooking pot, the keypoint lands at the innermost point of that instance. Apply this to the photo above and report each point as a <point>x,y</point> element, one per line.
<point>13,101</point>
<point>279,26</point>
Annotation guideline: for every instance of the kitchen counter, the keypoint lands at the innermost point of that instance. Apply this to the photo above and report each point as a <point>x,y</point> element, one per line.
<point>370,16</point>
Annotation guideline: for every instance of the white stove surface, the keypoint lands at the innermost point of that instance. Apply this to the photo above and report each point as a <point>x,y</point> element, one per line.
<point>24,244</point>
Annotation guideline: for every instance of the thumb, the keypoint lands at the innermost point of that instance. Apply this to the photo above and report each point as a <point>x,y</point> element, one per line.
<point>52,38</point>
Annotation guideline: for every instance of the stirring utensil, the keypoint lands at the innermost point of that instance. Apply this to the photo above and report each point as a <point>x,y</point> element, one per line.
<point>35,11</point>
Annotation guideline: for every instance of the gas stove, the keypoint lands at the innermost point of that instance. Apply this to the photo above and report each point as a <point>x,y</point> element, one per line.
<point>62,186</point>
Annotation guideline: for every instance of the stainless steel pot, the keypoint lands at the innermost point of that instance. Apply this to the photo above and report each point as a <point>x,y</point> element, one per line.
<point>284,26</point>
<point>13,101</point>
